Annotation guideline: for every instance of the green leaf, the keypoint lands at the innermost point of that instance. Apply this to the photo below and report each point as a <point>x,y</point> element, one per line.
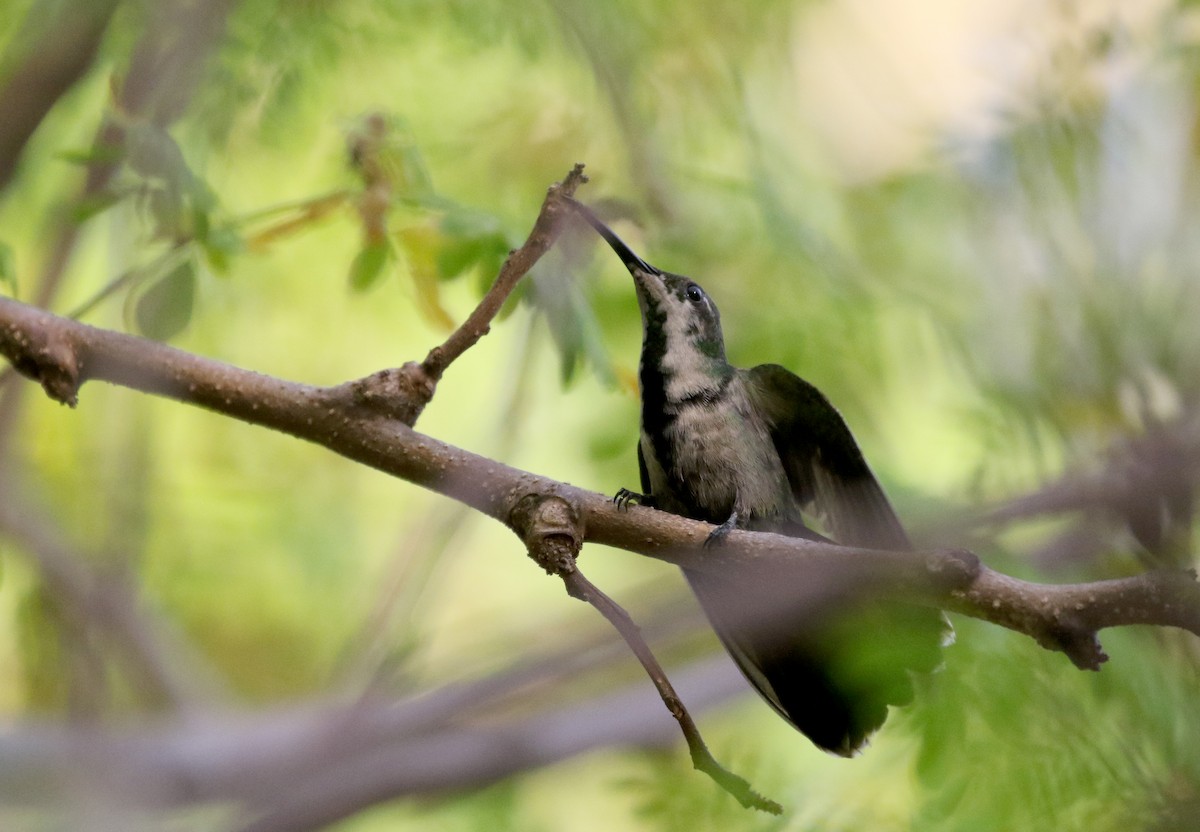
<point>154,154</point>
<point>165,206</point>
<point>573,325</point>
<point>416,180</point>
<point>201,196</point>
<point>166,307</point>
<point>422,246</point>
<point>471,238</point>
<point>95,204</point>
<point>99,155</point>
<point>457,255</point>
<point>470,222</point>
<point>368,266</point>
<point>220,246</point>
<point>8,269</point>
<point>513,302</point>
<point>201,222</point>
<point>489,268</point>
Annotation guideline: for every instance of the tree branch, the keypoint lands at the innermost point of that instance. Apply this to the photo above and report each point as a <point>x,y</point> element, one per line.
<point>369,421</point>
<point>161,77</point>
<point>304,767</point>
<point>63,354</point>
<point>52,66</point>
<point>553,535</point>
<point>403,393</point>
<point>581,588</point>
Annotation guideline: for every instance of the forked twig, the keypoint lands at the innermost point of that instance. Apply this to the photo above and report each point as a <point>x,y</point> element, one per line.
<point>403,392</point>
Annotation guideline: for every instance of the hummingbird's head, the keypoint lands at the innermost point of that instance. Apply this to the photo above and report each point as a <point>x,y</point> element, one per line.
<point>678,316</point>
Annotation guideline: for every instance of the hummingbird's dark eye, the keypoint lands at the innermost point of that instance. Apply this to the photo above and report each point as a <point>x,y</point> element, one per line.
<point>694,293</point>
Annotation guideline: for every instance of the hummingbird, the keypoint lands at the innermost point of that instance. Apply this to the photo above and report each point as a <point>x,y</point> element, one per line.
<point>761,450</point>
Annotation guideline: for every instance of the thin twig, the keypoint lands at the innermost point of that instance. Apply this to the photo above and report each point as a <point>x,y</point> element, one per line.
<point>553,533</point>
<point>578,586</point>
<point>403,392</point>
<point>305,206</point>
<point>545,232</point>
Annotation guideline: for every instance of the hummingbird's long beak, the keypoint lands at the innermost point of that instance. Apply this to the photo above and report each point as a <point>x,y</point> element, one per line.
<point>627,255</point>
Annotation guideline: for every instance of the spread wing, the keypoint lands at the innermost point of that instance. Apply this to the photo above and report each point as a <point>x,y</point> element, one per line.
<point>831,673</point>
<point>824,466</point>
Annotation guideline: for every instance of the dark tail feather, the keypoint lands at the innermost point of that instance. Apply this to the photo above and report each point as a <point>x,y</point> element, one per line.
<point>831,667</point>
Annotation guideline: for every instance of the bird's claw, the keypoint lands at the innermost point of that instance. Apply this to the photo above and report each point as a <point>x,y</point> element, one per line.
<point>717,536</point>
<point>625,497</point>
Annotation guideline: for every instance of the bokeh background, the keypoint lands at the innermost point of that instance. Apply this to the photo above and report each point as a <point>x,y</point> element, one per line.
<point>975,226</point>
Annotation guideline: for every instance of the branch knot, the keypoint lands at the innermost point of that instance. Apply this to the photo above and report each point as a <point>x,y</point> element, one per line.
<point>47,356</point>
<point>955,568</point>
<point>400,393</point>
<point>552,529</point>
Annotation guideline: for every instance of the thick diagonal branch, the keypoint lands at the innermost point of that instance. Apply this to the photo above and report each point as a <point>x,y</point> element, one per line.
<point>63,354</point>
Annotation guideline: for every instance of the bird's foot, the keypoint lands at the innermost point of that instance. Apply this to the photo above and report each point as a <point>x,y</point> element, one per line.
<point>624,498</point>
<point>717,536</point>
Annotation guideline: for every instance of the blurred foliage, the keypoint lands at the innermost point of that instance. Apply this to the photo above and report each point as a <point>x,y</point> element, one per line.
<point>972,225</point>
<point>8,270</point>
<point>1114,756</point>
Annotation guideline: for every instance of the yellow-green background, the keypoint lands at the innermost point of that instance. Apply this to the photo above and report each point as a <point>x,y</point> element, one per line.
<point>970,224</point>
